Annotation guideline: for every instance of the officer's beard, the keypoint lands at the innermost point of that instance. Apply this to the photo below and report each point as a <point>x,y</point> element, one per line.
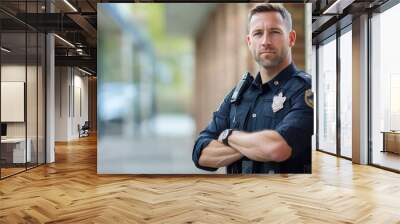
<point>268,63</point>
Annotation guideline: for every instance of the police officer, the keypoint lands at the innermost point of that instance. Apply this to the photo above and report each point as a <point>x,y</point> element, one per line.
<point>265,124</point>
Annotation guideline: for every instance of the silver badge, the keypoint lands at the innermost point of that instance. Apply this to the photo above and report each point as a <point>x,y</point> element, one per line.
<point>277,102</point>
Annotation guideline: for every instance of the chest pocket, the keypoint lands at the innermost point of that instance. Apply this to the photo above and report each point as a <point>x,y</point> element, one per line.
<point>238,115</point>
<point>271,118</point>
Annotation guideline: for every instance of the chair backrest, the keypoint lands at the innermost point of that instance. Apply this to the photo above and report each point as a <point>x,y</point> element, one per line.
<point>86,125</point>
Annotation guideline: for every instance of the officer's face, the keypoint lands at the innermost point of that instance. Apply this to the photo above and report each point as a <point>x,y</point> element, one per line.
<point>269,40</point>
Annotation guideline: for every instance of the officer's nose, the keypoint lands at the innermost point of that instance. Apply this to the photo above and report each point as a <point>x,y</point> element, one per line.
<point>265,39</point>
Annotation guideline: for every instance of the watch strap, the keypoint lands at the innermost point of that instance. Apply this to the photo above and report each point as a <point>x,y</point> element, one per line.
<point>225,139</point>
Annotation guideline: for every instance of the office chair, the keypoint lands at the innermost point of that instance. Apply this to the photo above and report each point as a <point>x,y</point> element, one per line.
<point>84,130</point>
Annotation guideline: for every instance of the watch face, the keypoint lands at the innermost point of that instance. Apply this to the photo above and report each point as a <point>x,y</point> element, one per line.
<point>225,134</point>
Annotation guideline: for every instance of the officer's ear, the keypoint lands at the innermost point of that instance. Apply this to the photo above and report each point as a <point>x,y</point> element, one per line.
<point>248,40</point>
<point>292,38</point>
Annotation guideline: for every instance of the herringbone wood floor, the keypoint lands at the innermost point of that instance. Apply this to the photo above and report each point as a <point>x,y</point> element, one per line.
<point>70,191</point>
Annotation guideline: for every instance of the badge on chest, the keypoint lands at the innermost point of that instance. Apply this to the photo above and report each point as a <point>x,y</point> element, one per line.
<point>277,102</point>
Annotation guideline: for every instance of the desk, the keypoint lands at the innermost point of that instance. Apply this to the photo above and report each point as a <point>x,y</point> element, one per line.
<point>391,141</point>
<point>17,150</point>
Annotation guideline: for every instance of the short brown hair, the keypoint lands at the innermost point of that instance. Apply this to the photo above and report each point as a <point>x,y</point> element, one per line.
<point>271,7</point>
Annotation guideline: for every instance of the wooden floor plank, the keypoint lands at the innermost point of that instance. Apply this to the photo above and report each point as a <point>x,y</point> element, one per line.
<point>70,191</point>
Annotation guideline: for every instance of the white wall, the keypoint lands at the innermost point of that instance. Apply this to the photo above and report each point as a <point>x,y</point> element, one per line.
<point>61,103</point>
<point>16,73</point>
<point>81,84</point>
<point>13,72</point>
<point>33,105</point>
<point>71,94</point>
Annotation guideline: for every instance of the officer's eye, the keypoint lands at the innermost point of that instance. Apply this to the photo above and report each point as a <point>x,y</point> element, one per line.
<point>257,34</point>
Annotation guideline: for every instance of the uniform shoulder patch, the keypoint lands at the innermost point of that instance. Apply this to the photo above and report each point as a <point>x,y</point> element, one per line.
<point>309,98</point>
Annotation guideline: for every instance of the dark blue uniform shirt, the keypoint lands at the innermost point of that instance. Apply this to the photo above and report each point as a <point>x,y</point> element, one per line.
<point>292,119</point>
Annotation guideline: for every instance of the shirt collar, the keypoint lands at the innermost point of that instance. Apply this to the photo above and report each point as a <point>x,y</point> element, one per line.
<point>278,80</point>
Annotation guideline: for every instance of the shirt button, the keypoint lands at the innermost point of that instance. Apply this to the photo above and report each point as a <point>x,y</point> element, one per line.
<point>254,115</point>
<point>276,82</point>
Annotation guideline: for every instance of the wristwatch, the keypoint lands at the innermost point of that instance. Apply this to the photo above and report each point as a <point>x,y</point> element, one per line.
<point>225,135</point>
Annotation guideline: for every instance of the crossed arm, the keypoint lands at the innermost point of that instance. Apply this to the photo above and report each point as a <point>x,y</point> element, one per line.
<point>267,145</point>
